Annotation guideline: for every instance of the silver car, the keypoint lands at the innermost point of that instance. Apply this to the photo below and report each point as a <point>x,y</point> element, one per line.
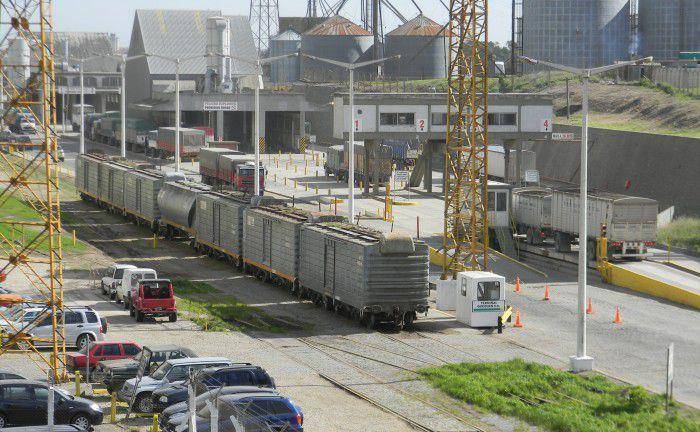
<point>173,370</point>
<point>82,326</point>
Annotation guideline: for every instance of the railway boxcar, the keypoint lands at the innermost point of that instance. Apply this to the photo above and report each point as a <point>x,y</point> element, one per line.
<point>630,222</point>
<point>219,224</point>
<point>271,241</point>
<point>87,166</point>
<point>532,209</point>
<point>178,212</point>
<point>141,188</point>
<point>373,276</point>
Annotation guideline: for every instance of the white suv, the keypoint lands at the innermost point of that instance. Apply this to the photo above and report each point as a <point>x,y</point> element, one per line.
<point>83,325</point>
<point>113,277</point>
<point>131,279</point>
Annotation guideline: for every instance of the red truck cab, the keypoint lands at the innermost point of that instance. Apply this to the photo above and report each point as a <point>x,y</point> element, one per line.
<point>245,175</point>
<point>155,298</point>
<point>101,351</point>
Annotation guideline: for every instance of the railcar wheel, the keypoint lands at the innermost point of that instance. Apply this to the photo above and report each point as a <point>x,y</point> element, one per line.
<point>371,321</point>
<point>408,319</point>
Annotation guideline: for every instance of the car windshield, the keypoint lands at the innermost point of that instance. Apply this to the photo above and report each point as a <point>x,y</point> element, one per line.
<point>162,371</point>
<point>64,393</point>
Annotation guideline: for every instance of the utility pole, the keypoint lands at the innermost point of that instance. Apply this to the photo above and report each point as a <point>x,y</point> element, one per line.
<point>568,100</point>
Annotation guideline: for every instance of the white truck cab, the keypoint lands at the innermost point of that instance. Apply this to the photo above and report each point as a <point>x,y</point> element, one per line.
<point>130,279</point>
<point>113,277</point>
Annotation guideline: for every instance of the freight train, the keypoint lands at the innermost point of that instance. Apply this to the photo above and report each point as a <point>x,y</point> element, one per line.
<point>360,272</point>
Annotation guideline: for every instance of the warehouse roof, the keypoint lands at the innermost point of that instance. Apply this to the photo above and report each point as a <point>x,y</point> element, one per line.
<point>84,44</point>
<point>183,33</point>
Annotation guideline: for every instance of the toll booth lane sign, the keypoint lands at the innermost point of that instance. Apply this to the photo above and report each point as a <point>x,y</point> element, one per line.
<point>488,305</point>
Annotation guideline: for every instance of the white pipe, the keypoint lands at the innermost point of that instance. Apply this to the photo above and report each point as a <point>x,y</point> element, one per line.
<point>256,138</point>
<point>583,228</point>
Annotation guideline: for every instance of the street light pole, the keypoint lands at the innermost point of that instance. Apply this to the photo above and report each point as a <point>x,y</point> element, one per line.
<point>177,115</point>
<point>82,110</point>
<point>351,133</point>
<point>123,109</point>
<point>582,361</point>
<point>256,143</point>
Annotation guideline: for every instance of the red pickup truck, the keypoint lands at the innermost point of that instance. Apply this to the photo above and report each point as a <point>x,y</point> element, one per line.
<point>101,351</point>
<point>155,298</point>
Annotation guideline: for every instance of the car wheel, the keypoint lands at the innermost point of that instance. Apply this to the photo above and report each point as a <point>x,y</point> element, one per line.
<point>172,317</point>
<point>83,341</point>
<point>3,421</point>
<point>82,421</point>
<point>139,316</point>
<point>112,296</point>
<point>132,311</point>
<point>126,304</point>
<point>144,403</point>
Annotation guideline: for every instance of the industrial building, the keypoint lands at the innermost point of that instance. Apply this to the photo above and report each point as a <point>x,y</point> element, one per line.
<point>590,33</point>
<point>423,47</point>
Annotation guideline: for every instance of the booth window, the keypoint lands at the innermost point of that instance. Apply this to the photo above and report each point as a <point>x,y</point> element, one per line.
<point>397,119</point>
<point>498,201</point>
<point>486,291</point>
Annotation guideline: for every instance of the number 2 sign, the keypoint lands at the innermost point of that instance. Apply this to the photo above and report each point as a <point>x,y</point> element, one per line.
<point>421,125</point>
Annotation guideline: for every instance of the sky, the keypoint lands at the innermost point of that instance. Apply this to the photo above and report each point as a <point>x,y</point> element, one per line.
<point>116,16</point>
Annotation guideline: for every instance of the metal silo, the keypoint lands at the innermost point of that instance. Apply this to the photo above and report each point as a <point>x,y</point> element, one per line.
<point>18,55</point>
<point>337,38</point>
<point>668,27</point>
<point>579,33</point>
<point>286,70</point>
<point>423,47</point>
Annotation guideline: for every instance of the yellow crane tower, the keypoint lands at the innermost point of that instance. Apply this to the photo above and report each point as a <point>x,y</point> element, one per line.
<point>30,239</point>
<point>466,163</point>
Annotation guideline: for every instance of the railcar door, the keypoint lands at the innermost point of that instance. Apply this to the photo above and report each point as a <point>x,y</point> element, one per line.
<point>138,195</point>
<point>329,268</point>
<point>267,242</point>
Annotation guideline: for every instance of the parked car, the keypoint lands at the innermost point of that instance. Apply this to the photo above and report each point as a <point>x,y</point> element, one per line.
<point>18,318</point>
<point>83,325</point>
<point>112,277</point>
<point>24,403</point>
<point>176,414</point>
<point>256,412</point>
<point>113,373</point>
<point>6,374</point>
<point>169,372</point>
<point>101,351</point>
<point>130,280</point>
<point>153,298</point>
<point>240,374</point>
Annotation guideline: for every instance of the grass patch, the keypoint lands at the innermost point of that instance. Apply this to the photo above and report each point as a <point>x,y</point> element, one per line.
<point>214,311</point>
<point>683,232</point>
<point>623,123</point>
<point>558,400</point>
<point>15,209</point>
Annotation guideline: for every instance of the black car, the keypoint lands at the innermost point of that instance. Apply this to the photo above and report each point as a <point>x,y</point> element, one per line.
<point>114,373</point>
<point>23,403</point>
<point>174,415</point>
<point>240,374</point>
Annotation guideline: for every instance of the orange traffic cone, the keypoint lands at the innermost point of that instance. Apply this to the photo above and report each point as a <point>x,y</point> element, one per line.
<point>517,284</point>
<point>618,319</point>
<point>518,323</point>
<point>589,309</point>
<point>546,292</point>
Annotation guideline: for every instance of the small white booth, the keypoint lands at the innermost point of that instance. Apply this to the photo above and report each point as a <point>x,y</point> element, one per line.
<point>480,298</point>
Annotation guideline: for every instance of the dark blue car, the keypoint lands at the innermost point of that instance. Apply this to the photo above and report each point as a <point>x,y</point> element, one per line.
<point>255,412</point>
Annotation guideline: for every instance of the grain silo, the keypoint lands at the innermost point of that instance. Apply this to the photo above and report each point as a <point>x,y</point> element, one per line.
<point>286,70</point>
<point>423,47</point>
<point>668,27</point>
<point>338,39</point>
<point>579,33</point>
<point>18,56</point>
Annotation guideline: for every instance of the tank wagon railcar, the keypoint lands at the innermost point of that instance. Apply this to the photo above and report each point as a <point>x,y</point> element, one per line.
<point>370,277</point>
<point>178,212</point>
<point>373,277</point>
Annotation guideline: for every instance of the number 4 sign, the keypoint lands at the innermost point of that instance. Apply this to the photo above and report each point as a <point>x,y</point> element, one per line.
<point>421,125</point>
<point>546,125</point>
